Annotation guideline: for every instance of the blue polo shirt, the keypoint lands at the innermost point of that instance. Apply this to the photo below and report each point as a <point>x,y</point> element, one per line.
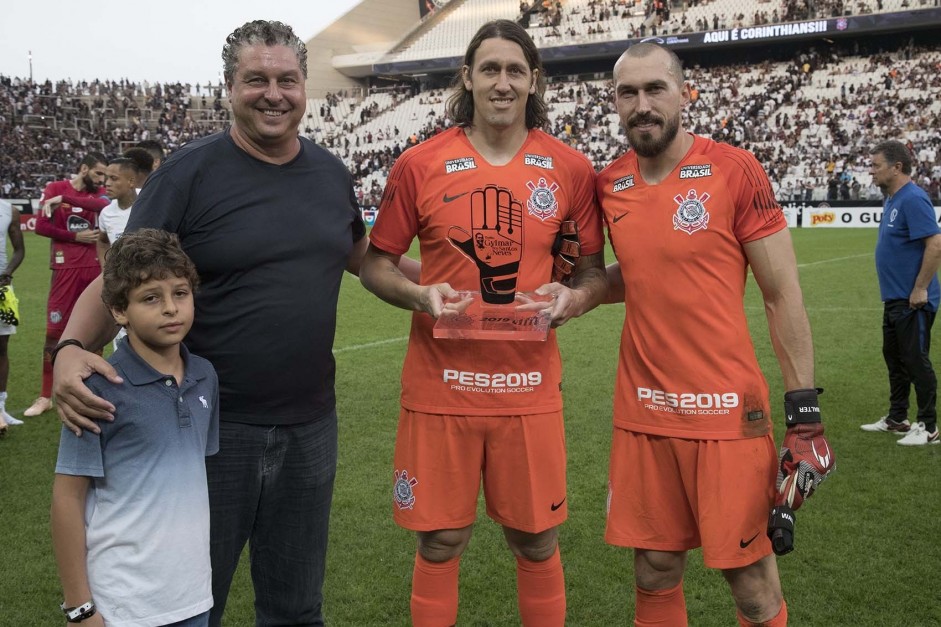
<point>907,219</point>
<point>147,508</point>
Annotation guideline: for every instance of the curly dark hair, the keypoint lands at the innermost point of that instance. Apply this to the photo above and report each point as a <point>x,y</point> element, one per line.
<point>141,256</point>
<point>269,33</point>
<point>460,104</point>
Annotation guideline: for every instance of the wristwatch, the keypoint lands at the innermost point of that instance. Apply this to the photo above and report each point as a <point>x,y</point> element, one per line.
<point>79,613</point>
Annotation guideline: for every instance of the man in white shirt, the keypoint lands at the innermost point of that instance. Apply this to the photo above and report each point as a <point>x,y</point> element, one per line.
<point>122,179</point>
<point>121,187</point>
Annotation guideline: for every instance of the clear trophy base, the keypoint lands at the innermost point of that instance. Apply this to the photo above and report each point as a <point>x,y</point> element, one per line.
<point>485,321</point>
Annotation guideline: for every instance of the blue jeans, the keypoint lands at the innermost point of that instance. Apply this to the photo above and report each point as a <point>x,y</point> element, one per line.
<point>272,487</point>
<point>200,620</point>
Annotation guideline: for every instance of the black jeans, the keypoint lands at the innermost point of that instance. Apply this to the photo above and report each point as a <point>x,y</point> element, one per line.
<point>906,340</point>
<point>272,487</point>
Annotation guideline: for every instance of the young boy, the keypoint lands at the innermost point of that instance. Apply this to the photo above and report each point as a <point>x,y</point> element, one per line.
<point>130,507</point>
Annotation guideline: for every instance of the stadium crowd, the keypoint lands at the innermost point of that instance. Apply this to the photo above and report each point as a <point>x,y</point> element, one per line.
<point>808,120</point>
<point>44,125</point>
<point>811,134</point>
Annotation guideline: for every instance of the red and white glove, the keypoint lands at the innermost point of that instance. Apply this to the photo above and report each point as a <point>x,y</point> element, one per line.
<point>806,460</point>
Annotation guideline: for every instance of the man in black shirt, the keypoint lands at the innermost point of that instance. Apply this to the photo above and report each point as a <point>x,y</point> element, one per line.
<point>271,222</point>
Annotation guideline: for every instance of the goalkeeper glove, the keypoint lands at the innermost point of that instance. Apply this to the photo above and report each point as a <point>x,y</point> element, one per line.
<point>565,251</point>
<point>806,460</point>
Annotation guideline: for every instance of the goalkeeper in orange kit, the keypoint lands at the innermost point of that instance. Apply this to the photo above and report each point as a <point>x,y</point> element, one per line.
<point>693,461</point>
<point>496,205</point>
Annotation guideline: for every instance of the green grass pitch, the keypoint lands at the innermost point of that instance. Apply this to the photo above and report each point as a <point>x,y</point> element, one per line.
<point>868,550</point>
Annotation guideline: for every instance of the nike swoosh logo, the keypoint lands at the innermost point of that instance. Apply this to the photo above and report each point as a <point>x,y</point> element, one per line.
<point>554,507</point>
<point>453,198</point>
<point>616,218</point>
<point>745,543</point>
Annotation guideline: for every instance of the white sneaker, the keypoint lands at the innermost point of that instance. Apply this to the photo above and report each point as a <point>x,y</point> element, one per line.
<point>888,425</point>
<point>40,406</point>
<point>10,420</point>
<point>919,436</point>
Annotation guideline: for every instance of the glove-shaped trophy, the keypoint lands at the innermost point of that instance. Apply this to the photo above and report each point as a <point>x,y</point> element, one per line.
<point>495,246</point>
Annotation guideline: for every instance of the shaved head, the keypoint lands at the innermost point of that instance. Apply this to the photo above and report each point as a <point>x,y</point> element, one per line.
<point>645,49</point>
<point>650,94</point>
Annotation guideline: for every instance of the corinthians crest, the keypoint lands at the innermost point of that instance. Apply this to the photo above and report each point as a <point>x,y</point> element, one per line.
<point>691,215</point>
<point>402,490</point>
<point>542,202</point>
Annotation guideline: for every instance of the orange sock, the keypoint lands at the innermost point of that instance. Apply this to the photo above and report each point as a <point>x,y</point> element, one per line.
<point>666,608</point>
<point>778,621</point>
<point>540,588</point>
<point>434,592</point>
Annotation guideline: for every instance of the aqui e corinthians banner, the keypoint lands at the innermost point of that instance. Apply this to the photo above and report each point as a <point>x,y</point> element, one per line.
<point>766,32</point>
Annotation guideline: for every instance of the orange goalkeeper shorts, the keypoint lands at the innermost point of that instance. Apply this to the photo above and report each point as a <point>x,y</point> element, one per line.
<point>672,494</point>
<point>440,460</point>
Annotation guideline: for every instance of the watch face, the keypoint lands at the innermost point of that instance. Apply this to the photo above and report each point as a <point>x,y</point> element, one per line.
<point>80,613</point>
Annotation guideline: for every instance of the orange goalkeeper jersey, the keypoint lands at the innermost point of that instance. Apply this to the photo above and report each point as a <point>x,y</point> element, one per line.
<point>687,365</point>
<point>436,191</point>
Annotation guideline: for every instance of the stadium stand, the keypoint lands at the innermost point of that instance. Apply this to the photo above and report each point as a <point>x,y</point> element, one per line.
<point>808,119</point>
<point>557,23</point>
<point>809,111</point>
<point>43,126</point>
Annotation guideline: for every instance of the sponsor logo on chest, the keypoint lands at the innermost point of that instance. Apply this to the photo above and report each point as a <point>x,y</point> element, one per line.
<point>625,182</point>
<point>538,161</point>
<point>695,171</point>
<point>459,165</point>
<point>77,224</point>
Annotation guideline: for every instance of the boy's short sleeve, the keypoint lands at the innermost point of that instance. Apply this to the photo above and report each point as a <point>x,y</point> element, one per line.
<point>81,456</point>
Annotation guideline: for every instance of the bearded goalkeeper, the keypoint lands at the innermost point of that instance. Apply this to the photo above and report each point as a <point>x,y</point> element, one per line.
<point>693,460</point>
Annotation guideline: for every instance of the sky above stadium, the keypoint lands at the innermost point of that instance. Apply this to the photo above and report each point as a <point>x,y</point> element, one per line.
<point>157,41</point>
